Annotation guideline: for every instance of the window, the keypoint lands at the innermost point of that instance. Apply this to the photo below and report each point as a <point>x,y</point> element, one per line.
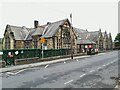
<point>7,43</point>
<point>35,42</point>
<point>27,44</point>
<point>66,38</point>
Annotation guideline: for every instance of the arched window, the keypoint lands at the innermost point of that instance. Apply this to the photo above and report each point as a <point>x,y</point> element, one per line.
<point>7,42</point>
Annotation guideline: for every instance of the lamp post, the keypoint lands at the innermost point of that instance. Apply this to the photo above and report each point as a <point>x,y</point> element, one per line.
<point>71,29</point>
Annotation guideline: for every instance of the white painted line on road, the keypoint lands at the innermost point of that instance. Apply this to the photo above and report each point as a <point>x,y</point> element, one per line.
<point>99,68</point>
<point>92,71</point>
<point>64,62</point>
<point>10,73</point>
<point>76,60</point>
<point>96,83</point>
<point>82,75</point>
<point>68,82</point>
<point>104,65</point>
<point>20,71</point>
<point>46,66</point>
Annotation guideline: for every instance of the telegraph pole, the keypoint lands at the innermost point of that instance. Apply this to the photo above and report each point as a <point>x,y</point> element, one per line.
<point>71,36</point>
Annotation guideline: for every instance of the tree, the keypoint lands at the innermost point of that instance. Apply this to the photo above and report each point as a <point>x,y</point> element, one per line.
<point>117,41</point>
<point>117,38</point>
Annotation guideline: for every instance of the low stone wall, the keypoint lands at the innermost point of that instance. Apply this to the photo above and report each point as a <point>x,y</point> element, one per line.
<point>36,59</point>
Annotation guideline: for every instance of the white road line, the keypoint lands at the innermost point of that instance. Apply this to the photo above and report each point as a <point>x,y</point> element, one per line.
<point>10,73</point>
<point>99,68</point>
<point>92,71</point>
<point>20,71</point>
<point>104,65</point>
<point>68,82</point>
<point>64,62</point>
<point>76,60</point>
<point>46,66</point>
<point>82,75</point>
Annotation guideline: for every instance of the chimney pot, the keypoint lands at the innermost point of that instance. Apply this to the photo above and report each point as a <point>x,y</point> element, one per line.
<point>36,23</point>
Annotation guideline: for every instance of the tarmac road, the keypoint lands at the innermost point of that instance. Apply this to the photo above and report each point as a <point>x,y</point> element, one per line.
<point>97,71</point>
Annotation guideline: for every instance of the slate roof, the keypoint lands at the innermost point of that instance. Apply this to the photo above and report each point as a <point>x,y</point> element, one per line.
<point>20,33</point>
<point>38,31</point>
<point>83,36</point>
<point>31,32</point>
<point>81,33</point>
<point>52,28</point>
<point>94,35</point>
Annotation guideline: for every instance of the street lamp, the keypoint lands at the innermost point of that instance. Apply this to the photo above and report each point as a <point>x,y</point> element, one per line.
<point>71,29</point>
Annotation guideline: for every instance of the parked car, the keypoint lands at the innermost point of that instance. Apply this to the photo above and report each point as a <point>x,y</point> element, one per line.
<point>91,51</point>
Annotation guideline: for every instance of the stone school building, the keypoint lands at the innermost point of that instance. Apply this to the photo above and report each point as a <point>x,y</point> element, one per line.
<point>57,35</point>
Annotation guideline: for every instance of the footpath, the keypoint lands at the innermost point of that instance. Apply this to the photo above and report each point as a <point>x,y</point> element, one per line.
<point>19,67</point>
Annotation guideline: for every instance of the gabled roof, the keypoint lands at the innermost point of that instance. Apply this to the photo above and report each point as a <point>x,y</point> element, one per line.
<point>38,31</point>
<point>84,36</point>
<point>94,35</point>
<point>52,28</point>
<point>29,36</point>
<point>19,33</point>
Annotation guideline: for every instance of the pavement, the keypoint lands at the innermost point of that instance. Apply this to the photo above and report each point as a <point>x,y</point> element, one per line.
<point>19,67</point>
<point>96,71</point>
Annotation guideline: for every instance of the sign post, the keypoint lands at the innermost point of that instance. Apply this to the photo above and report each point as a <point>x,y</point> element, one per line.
<point>42,40</point>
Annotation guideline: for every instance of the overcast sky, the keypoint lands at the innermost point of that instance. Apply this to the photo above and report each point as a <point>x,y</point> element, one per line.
<point>86,15</point>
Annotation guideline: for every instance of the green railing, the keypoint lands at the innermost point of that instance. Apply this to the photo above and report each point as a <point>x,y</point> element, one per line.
<point>31,53</point>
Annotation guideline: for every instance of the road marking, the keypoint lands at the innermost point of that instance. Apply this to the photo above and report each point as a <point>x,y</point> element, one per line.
<point>101,53</point>
<point>46,66</point>
<point>104,65</point>
<point>20,71</point>
<point>68,82</point>
<point>64,62</point>
<point>99,68</point>
<point>92,71</point>
<point>76,60</point>
<point>82,75</point>
<point>10,73</point>
<point>96,83</point>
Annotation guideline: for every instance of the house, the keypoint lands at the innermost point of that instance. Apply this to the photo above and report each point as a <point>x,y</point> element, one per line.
<point>57,35</point>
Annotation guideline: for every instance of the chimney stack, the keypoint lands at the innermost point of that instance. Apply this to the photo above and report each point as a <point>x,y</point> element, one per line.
<point>36,23</point>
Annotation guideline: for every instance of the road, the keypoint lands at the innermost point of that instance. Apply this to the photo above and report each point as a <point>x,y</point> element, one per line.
<point>97,71</point>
